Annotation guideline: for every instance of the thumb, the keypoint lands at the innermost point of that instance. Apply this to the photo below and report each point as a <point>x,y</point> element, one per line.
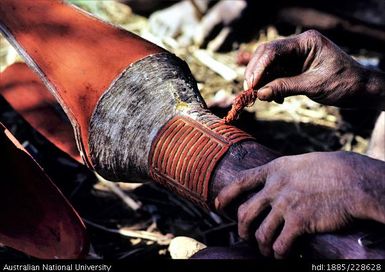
<point>280,88</point>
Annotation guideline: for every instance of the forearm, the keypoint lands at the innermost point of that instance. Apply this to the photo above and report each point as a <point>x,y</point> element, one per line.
<point>242,156</point>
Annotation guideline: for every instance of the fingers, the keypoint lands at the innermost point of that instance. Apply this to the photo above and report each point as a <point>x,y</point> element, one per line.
<point>289,52</point>
<point>266,231</point>
<point>280,88</point>
<point>248,214</point>
<point>257,65</point>
<point>290,232</point>
<point>249,211</point>
<point>249,180</point>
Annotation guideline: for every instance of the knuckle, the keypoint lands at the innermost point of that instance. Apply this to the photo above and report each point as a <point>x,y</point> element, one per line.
<point>312,34</point>
<point>266,193</point>
<point>281,162</point>
<point>278,161</point>
<point>268,49</point>
<point>296,223</point>
<point>280,204</point>
<point>282,85</point>
<point>264,197</point>
<point>271,46</point>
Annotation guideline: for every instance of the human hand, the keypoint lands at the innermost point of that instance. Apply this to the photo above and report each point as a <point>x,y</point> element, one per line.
<point>309,193</point>
<point>178,21</point>
<point>223,15</point>
<point>310,64</point>
<point>181,21</point>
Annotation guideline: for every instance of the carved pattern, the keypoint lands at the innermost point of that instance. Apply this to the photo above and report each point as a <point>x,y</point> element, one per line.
<point>185,153</point>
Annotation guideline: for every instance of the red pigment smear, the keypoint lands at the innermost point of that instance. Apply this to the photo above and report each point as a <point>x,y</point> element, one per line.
<point>244,99</point>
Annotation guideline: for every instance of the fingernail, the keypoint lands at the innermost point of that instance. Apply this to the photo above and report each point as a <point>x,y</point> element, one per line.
<point>264,93</point>
<point>216,203</point>
<point>245,85</point>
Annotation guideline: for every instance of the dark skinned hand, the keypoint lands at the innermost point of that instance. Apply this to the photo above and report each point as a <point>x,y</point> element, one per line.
<point>310,64</point>
<point>309,193</point>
